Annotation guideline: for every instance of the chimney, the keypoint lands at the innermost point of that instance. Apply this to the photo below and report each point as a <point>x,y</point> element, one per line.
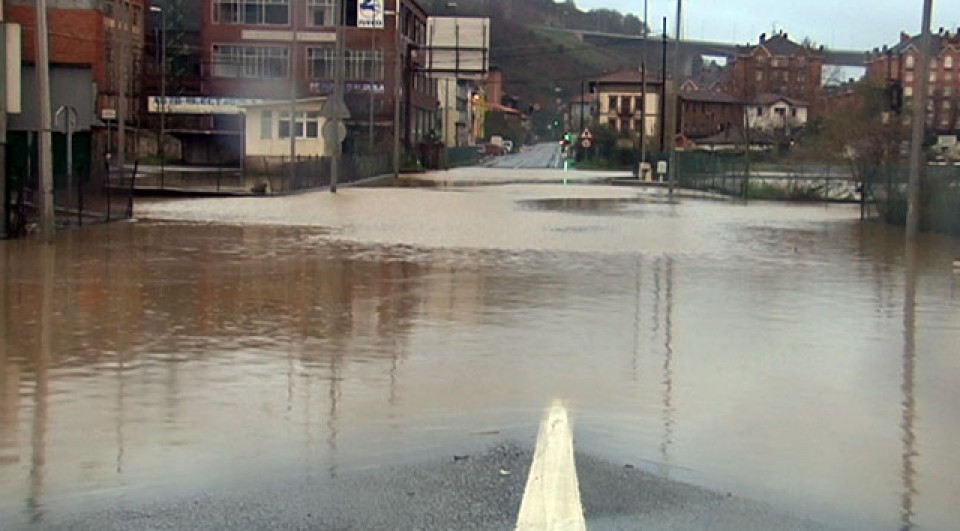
<point>904,37</point>
<point>763,38</point>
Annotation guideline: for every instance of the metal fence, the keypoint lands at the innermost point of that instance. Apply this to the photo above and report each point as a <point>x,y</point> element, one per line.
<point>258,176</point>
<point>78,200</point>
<point>737,175</point>
<point>886,188</point>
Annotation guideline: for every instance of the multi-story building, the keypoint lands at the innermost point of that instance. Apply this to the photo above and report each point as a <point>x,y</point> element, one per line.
<point>274,49</point>
<point>93,45</point>
<point>899,65</point>
<point>626,102</point>
<point>704,113</point>
<point>776,65</point>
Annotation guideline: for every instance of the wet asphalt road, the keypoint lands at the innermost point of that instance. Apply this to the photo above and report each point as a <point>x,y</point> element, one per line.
<point>481,491</point>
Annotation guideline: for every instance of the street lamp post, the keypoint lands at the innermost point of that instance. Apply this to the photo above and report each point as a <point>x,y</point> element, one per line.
<point>397,91</point>
<point>161,151</point>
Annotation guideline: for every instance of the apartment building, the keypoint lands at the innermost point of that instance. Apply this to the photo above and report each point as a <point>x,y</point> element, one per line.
<point>91,44</point>
<point>899,64</point>
<point>777,65</point>
<point>626,102</point>
<point>270,50</point>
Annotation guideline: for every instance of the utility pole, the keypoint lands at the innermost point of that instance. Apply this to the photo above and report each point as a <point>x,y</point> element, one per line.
<point>292,67</point>
<point>397,87</point>
<point>45,148</point>
<point>919,125</point>
<point>643,95</point>
<point>675,100</point>
<point>121,61</point>
<point>663,90</point>
<point>3,126</point>
<point>338,91</point>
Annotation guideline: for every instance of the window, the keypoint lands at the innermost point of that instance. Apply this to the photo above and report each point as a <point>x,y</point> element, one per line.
<point>910,61</point>
<point>322,12</point>
<point>269,62</point>
<point>360,65</point>
<point>251,12</point>
<point>612,104</point>
<point>638,104</point>
<point>933,76</point>
<point>948,62</point>
<point>948,91</point>
<point>266,125</point>
<point>759,75</point>
<point>307,125</point>
<point>793,112</point>
<point>908,77</point>
<point>908,91</point>
<point>780,111</point>
<point>759,111</point>
<point>625,104</point>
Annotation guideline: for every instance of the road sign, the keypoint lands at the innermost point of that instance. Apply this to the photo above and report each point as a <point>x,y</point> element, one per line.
<point>586,135</point>
<point>586,143</point>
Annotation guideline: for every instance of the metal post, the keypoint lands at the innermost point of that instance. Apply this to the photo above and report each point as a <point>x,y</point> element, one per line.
<point>675,100</point>
<point>663,90</point>
<point>919,126</point>
<point>3,127</point>
<point>45,149</point>
<point>71,118</point>
<point>643,94</point>
<point>292,67</point>
<point>397,82</point>
<point>120,62</point>
<point>338,91</point>
<point>373,81</point>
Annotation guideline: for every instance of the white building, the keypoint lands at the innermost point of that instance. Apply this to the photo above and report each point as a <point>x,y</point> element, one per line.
<point>267,131</point>
<point>773,112</point>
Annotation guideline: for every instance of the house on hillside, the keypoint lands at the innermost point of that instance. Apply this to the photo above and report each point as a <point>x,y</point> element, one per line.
<point>625,102</point>
<point>897,65</point>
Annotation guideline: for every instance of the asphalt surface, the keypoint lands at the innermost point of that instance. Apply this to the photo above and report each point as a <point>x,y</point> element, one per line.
<point>482,491</point>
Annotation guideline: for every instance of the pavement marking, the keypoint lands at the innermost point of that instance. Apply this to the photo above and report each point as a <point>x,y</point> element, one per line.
<point>551,499</point>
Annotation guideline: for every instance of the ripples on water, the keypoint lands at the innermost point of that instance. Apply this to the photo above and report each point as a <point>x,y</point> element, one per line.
<point>758,349</point>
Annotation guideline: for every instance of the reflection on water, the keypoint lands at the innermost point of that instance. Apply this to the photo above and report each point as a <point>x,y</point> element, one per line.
<point>908,424</point>
<point>776,357</point>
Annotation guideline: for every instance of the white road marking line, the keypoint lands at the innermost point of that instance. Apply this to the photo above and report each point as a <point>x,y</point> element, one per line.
<point>551,499</point>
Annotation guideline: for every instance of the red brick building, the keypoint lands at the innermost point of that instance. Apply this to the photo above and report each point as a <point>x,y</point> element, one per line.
<point>82,37</point>
<point>249,52</point>
<point>777,65</point>
<point>900,64</point>
<point>704,113</point>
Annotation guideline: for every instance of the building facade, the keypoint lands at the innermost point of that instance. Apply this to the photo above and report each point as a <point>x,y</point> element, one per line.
<point>898,66</point>
<point>95,53</point>
<point>776,65</point>
<point>278,49</point>
<point>626,102</point>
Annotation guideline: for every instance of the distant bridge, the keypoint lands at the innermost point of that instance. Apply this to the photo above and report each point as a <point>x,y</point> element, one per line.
<point>691,51</point>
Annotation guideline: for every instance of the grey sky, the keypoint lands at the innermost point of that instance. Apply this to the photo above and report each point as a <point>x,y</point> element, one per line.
<point>845,24</point>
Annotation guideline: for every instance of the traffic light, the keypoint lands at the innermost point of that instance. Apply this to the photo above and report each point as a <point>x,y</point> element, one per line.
<point>895,96</point>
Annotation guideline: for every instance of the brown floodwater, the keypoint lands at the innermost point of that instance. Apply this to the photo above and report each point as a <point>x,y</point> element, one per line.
<point>786,353</point>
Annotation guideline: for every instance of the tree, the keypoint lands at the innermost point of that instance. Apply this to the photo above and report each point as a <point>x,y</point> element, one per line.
<point>860,132</point>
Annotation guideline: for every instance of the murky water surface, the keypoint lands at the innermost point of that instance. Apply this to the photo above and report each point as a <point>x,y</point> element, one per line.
<point>779,352</point>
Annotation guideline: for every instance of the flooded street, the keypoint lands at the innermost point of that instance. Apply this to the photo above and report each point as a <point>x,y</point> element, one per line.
<point>766,350</point>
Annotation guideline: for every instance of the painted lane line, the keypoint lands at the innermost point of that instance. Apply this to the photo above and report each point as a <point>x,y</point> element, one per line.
<point>551,499</point>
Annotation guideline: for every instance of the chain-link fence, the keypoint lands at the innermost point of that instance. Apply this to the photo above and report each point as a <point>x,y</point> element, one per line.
<point>886,188</point>
<point>754,177</point>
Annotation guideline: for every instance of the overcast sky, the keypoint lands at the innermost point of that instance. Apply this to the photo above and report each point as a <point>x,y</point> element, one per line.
<point>843,24</point>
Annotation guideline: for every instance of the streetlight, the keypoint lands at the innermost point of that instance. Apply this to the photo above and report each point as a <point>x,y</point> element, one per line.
<point>163,80</point>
